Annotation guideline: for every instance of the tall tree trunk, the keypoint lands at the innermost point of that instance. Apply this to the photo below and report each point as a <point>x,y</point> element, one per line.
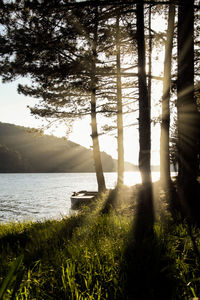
<point>94,135</point>
<point>96,148</point>
<point>188,116</point>
<point>165,122</point>
<point>150,60</point>
<point>144,105</point>
<point>144,217</point>
<point>120,136</point>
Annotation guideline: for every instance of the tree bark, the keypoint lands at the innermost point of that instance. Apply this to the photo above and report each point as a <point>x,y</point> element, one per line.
<point>94,135</point>
<point>96,148</point>
<point>165,122</point>
<point>120,135</point>
<point>188,116</point>
<point>144,105</point>
<point>150,60</point>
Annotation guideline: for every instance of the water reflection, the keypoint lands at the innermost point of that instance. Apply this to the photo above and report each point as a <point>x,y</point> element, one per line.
<point>41,196</point>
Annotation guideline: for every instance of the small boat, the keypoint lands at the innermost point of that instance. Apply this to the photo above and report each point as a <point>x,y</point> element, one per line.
<point>81,198</point>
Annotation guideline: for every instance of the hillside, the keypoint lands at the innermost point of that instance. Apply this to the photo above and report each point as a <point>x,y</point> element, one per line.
<point>24,151</point>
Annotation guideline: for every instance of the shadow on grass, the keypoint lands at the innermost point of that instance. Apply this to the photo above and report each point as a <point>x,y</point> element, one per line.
<point>183,201</point>
<point>120,200</point>
<point>111,201</point>
<point>40,240</point>
<point>146,265</point>
<point>141,271</point>
<point>188,197</point>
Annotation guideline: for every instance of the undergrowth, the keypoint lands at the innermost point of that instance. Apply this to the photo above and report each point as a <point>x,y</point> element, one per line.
<point>85,257</point>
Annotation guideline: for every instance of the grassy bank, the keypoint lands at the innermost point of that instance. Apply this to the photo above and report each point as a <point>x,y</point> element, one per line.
<point>99,254</point>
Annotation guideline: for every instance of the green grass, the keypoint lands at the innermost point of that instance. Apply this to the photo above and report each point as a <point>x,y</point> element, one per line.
<point>95,255</point>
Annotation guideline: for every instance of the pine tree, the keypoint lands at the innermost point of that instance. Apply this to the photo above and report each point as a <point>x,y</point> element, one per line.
<point>144,105</point>
<point>58,51</point>
<point>165,121</point>
<point>188,116</point>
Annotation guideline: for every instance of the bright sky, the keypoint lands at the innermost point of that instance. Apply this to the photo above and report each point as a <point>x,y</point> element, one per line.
<point>13,109</point>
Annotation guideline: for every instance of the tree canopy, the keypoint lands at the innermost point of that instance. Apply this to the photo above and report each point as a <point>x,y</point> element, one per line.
<point>90,57</point>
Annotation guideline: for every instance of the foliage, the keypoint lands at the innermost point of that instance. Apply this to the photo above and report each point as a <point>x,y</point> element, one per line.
<point>107,253</point>
<point>11,161</point>
<point>30,152</point>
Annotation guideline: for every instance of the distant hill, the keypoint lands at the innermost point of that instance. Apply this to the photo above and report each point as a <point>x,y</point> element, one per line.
<point>22,150</point>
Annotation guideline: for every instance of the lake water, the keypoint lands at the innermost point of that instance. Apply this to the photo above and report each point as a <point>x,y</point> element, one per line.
<point>47,195</point>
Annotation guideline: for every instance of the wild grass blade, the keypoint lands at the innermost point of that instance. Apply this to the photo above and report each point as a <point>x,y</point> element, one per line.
<point>11,275</point>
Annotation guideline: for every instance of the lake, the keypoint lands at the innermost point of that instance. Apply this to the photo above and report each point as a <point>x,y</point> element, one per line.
<point>39,196</point>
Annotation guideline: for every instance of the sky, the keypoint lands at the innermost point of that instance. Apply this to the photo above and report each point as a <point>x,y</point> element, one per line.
<point>14,110</point>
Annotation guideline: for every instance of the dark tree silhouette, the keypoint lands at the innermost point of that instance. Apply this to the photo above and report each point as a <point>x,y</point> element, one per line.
<point>96,148</point>
<point>120,135</point>
<point>165,121</point>
<point>188,115</point>
<point>43,41</point>
<point>144,105</point>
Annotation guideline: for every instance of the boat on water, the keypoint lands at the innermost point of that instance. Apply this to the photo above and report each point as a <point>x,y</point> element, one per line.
<point>82,198</point>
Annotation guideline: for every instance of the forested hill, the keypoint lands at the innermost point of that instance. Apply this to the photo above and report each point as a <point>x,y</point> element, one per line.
<point>25,151</point>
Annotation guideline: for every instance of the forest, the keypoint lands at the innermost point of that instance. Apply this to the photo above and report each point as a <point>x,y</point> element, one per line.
<point>96,58</point>
<point>27,150</point>
<point>82,58</point>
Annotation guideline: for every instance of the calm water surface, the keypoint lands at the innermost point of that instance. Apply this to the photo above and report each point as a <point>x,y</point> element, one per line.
<point>47,195</point>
